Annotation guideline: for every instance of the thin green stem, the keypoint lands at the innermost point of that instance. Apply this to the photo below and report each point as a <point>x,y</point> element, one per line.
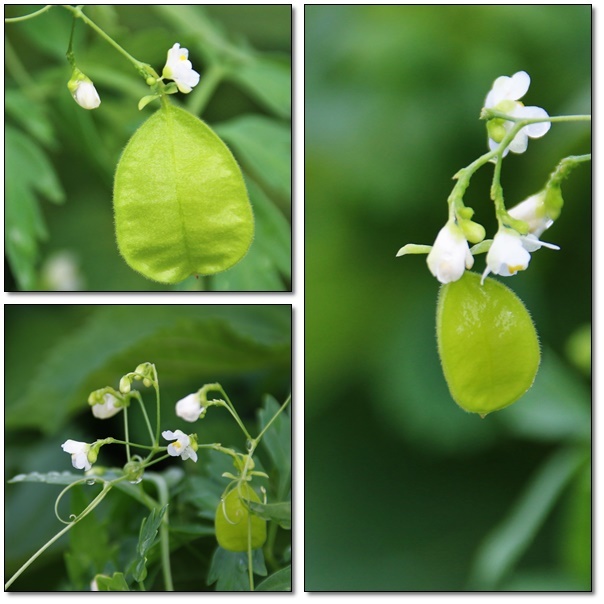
<point>157,460</point>
<point>236,417</point>
<point>91,506</point>
<point>491,113</point>
<point>268,425</point>
<point>30,16</point>
<point>216,387</point>
<point>229,405</point>
<point>143,68</point>
<point>139,398</point>
<point>203,92</point>
<point>218,447</point>
<point>116,441</point>
<point>127,436</point>
<point>464,175</point>
<point>158,413</point>
<point>496,189</point>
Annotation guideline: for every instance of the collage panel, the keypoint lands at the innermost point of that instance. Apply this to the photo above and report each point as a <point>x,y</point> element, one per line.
<point>448,260</point>
<point>155,155</point>
<point>148,447</point>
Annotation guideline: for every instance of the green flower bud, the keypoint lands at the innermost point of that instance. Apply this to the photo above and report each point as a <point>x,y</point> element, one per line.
<point>125,386</point>
<point>473,231</point>
<point>553,201</point>
<point>465,213</point>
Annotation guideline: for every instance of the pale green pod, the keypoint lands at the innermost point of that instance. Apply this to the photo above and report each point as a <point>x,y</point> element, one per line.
<point>180,202</point>
<point>487,344</point>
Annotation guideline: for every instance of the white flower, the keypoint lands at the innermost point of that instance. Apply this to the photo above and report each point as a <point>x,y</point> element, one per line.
<point>450,254</point>
<point>79,454</point>
<point>510,252</point>
<point>190,407</point>
<point>504,96</point>
<point>107,408</point>
<point>533,211</point>
<point>179,68</point>
<point>183,445</point>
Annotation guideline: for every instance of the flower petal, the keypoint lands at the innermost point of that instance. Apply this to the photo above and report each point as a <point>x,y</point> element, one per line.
<point>520,142</point>
<point>518,85</point>
<point>536,130</point>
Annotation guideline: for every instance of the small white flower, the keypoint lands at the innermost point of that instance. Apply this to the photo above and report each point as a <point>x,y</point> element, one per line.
<point>79,454</point>
<point>504,96</point>
<point>190,407</point>
<point>180,69</point>
<point>510,252</point>
<point>533,211</point>
<point>107,408</point>
<point>450,254</point>
<point>183,446</point>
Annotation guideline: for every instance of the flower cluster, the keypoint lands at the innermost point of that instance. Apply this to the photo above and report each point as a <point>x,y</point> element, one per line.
<point>519,229</point>
<point>177,68</point>
<point>107,402</point>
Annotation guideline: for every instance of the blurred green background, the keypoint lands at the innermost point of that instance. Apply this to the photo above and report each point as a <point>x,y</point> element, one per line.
<point>59,216</point>
<point>61,353</point>
<point>405,491</point>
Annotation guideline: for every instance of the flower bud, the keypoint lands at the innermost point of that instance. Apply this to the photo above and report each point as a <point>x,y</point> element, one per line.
<point>553,201</point>
<point>83,91</point>
<point>125,385</point>
<point>473,231</point>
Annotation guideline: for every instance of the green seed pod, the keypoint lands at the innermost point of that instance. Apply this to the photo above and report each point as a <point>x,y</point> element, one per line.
<point>180,202</point>
<point>487,344</point>
<point>232,529</point>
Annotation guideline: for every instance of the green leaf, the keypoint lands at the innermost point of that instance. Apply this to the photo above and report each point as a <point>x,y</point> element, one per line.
<point>264,147</point>
<point>146,100</point>
<point>189,528</point>
<point>503,547</point>
<point>268,263</point>
<point>147,536</point>
<point>31,116</point>
<point>48,477</point>
<point>279,581</point>
<point>114,583</point>
<point>180,202</point>
<point>280,512</point>
<point>487,343</point>
<point>24,225</point>
<point>229,570</point>
<point>267,78</point>
<point>115,339</point>
<point>277,441</point>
